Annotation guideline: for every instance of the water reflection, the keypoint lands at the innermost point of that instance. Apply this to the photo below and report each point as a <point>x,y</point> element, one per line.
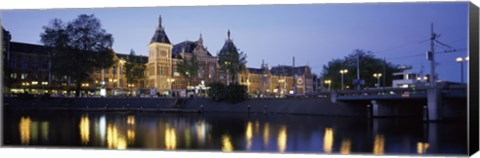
<point>328,140</point>
<point>85,129</point>
<point>249,135</point>
<point>24,127</point>
<point>422,147</point>
<point>346,145</point>
<point>379,146</point>
<point>170,138</point>
<point>201,131</point>
<point>44,127</point>
<point>131,129</point>
<point>115,140</point>
<point>282,139</point>
<point>160,131</point>
<point>226,143</point>
<point>266,135</point>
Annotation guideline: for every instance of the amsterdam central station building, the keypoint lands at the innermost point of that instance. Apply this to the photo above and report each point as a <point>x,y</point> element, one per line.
<point>27,69</point>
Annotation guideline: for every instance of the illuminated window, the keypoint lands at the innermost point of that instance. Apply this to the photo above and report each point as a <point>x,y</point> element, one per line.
<point>23,76</point>
<point>13,75</point>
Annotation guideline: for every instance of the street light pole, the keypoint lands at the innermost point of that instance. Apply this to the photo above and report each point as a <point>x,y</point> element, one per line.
<point>377,75</point>
<point>342,72</point>
<point>329,82</point>
<point>460,60</point>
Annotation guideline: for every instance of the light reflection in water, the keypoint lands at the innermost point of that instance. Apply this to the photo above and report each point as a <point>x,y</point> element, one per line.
<point>282,139</point>
<point>84,129</point>
<point>131,130</point>
<point>25,130</point>
<point>188,138</point>
<point>201,132</point>
<point>226,143</point>
<point>328,140</point>
<point>44,128</point>
<point>266,134</point>
<point>249,135</point>
<point>115,140</point>
<point>346,145</point>
<point>170,138</point>
<point>379,144</point>
<point>34,132</point>
<point>422,147</point>
<point>131,120</point>
<point>102,126</point>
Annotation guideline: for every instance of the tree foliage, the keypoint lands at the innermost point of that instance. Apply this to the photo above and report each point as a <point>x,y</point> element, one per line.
<point>188,68</point>
<point>231,61</point>
<point>78,47</point>
<point>134,68</point>
<point>369,65</point>
<point>233,93</point>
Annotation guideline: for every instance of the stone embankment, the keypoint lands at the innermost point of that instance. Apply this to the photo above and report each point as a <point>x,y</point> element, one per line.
<point>309,106</point>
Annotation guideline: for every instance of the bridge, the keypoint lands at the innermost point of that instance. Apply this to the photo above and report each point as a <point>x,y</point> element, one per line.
<point>433,103</point>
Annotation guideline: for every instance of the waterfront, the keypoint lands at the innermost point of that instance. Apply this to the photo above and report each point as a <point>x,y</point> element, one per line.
<point>237,132</point>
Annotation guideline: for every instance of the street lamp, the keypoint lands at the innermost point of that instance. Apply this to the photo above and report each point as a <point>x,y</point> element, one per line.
<point>329,82</point>
<point>227,67</point>
<point>461,60</point>
<point>342,72</point>
<point>170,82</point>
<point>120,73</point>
<point>377,75</point>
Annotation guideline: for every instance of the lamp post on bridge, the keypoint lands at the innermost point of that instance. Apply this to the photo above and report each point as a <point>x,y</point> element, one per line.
<point>342,72</point>
<point>461,60</point>
<point>329,82</point>
<point>377,75</point>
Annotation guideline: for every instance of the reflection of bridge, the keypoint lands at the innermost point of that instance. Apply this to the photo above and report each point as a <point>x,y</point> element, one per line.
<point>433,103</point>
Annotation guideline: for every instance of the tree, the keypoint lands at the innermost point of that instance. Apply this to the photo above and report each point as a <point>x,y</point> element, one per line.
<point>188,68</point>
<point>369,65</point>
<point>134,68</point>
<point>78,47</point>
<point>232,62</point>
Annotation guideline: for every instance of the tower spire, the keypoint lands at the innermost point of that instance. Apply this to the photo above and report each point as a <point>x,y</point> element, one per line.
<point>228,34</point>
<point>160,21</point>
<point>200,39</point>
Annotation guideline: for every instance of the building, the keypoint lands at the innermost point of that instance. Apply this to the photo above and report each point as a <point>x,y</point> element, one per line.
<point>31,72</point>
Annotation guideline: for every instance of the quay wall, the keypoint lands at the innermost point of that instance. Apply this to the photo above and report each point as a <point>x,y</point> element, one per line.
<point>309,106</point>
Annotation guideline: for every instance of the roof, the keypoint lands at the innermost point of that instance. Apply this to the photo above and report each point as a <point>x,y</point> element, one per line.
<point>160,36</point>
<point>288,70</point>
<point>255,70</point>
<point>27,48</point>
<point>39,49</point>
<point>185,47</point>
<point>228,45</point>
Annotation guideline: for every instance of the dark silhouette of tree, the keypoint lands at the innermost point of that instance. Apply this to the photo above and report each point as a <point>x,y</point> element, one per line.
<point>188,68</point>
<point>369,65</point>
<point>78,48</point>
<point>134,68</point>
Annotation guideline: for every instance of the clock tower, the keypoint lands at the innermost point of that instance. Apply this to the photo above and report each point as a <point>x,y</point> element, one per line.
<point>159,66</point>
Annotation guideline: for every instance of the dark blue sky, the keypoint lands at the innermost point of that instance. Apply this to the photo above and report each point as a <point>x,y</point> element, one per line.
<point>314,34</point>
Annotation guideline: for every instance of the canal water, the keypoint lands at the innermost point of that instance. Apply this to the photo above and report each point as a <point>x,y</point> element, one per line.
<point>273,133</point>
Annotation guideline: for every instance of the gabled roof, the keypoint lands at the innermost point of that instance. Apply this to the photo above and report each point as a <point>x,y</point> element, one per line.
<point>185,47</point>
<point>160,36</point>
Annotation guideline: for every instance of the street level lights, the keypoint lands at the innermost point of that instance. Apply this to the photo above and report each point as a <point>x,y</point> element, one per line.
<point>461,60</point>
<point>329,82</point>
<point>170,82</point>
<point>342,72</point>
<point>377,75</point>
